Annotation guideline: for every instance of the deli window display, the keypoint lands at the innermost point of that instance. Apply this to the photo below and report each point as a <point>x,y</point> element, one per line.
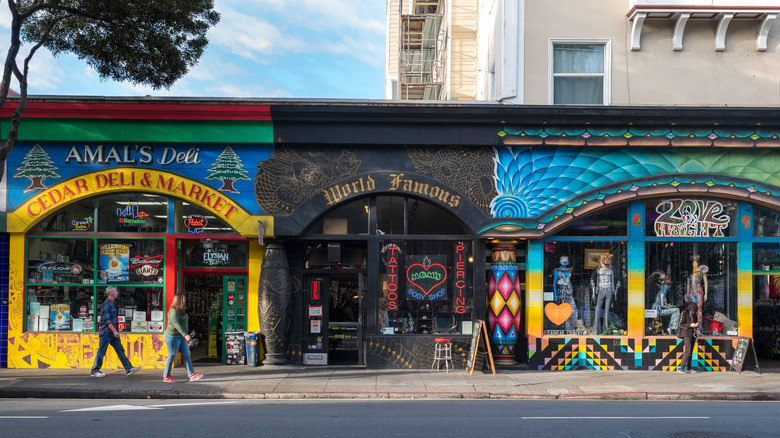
<point>67,277</point>
<point>71,258</point>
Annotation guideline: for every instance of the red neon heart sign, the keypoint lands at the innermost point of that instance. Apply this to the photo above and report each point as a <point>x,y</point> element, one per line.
<point>426,278</point>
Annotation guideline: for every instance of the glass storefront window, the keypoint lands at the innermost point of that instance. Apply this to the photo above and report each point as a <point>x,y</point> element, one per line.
<point>60,308</point>
<point>351,218</point>
<point>586,282</point>
<point>195,220</point>
<point>215,254</point>
<point>425,287</point>
<point>690,217</point>
<point>686,271</point>
<point>426,218</point>
<point>613,222</point>
<point>131,261</point>
<point>67,278</point>
<point>139,309</point>
<point>390,212</point>
<point>78,217</point>
<point>342,255</point>
<point>766,297</point>
<point>767,223</point>
<point>133,213</point>
<point>53,260</point>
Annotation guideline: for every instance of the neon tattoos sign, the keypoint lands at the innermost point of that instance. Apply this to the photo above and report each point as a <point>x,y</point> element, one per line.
<point>392,275</point>
<point>691,218</point>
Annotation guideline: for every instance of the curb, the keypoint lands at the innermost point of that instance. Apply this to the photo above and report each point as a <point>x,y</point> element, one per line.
<point>212,395</point>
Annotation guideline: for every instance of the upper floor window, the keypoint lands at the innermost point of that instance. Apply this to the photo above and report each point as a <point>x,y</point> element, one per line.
<point>580,73</point>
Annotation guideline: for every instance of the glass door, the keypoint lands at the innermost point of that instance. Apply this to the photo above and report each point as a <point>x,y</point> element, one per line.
<point>336,319</point>
<point>346,319</point>
<point>233,309</point>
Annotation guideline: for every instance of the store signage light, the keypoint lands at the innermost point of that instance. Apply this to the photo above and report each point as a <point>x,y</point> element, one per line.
<point>460,278</point>
<point>315,290</point>
<point>195,224</point>
<point>690,218</point>
<point>392,275</point>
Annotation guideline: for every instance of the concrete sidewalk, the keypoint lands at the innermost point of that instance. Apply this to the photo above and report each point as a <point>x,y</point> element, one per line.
<point>297,382</point>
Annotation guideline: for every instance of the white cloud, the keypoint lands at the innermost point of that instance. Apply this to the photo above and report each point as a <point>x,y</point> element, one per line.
<point>260,48</point>
<point>5,18</point>
<point>335,27</point>
<point>248,36</point>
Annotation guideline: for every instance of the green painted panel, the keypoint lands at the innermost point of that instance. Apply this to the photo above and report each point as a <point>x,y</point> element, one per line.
<point>185,131</point>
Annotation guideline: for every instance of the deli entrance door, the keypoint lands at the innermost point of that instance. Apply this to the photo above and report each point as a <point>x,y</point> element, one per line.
<point>335,309</point>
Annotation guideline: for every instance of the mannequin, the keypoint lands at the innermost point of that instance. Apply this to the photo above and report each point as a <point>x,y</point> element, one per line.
<point>660,304</point>
<point>603,290</point>
<point>697,287</point>
<point>562,289</point>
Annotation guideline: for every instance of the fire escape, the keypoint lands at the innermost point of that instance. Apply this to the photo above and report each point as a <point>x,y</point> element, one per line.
<point>423,52</point>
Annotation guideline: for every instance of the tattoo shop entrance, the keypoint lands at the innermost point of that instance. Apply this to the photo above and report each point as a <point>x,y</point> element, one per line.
<point>335,313</point>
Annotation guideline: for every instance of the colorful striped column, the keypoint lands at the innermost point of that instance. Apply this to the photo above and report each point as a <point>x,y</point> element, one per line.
<point>504,303</point>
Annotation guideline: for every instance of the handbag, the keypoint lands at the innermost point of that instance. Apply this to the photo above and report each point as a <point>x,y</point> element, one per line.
<point>193,342</point>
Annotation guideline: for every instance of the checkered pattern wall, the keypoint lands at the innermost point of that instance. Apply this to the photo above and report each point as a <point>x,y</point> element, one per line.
<point>662,354</point>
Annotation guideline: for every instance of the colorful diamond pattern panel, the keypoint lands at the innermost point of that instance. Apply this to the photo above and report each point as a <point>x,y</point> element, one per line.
<point>663,354</point>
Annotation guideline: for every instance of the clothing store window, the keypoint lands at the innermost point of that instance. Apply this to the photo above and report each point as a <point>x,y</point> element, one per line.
<point>612,222</point>
<point>766,297</point>
<point>586,283</point>
<point>702,272</point>
<point>767,223</point>
<point>691,255</point>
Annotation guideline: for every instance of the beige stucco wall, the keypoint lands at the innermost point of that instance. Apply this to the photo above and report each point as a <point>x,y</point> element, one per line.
<point>656,74</point>
<point>463,50</point>
<point>392,29</point>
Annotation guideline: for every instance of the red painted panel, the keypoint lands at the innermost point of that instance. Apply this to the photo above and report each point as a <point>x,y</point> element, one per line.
<point>140,111</point>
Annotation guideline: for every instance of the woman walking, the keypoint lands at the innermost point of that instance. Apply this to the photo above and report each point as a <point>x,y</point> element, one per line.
<point>688,323</point>
<point>176,339</point>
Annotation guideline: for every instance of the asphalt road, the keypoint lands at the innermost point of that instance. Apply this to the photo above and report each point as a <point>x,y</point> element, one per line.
<point>386,418</point>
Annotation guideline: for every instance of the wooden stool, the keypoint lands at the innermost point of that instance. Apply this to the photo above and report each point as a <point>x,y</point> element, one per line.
<point>442,352</point>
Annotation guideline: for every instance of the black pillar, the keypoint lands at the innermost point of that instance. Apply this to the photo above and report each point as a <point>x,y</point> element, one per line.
<point>274,308</point>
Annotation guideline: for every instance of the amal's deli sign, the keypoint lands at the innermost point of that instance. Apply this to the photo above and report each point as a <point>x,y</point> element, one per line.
<point>130,179</point>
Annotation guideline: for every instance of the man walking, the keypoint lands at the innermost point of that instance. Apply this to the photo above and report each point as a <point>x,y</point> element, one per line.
<point>110,335</point>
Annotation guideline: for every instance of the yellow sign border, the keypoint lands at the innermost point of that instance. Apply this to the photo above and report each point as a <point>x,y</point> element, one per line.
<point>123,179</point>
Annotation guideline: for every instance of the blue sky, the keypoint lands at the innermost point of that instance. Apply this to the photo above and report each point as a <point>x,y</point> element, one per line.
<point>260,48</point>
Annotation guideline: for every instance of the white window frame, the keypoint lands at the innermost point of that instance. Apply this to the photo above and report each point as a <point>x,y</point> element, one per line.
<point>606,75</point>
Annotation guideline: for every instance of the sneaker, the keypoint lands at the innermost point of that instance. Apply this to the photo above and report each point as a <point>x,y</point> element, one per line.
<point>693,370</point>
<point>97,374</point>
<point>680,370</point>
<point>194,377</point>
<point>169,380</point>
<point>133,370</point>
